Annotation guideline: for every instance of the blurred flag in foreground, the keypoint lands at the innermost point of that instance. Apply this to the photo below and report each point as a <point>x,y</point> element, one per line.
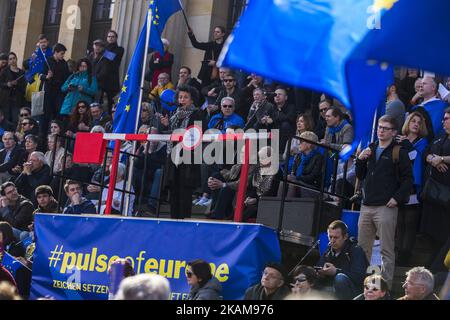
<point>340,47</point>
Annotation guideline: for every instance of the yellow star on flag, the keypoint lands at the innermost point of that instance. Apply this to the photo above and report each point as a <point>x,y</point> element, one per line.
<point>384,4</point>
<point>124,89</point>
<point>126,77</point>
<point>127,108</point>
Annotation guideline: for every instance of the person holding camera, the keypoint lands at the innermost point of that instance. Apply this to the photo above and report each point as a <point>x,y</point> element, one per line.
<point>342,268</point>
<point>80,86</point>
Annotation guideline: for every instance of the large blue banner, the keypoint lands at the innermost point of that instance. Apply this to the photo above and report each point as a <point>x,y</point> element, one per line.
<point>73,253</point>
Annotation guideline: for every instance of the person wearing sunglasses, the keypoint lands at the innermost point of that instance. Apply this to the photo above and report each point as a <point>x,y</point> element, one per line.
<point>375,288</point>
<point>304,280</point>
<point>230,89</point>
<point>227,117</point>
<point>204,286</point>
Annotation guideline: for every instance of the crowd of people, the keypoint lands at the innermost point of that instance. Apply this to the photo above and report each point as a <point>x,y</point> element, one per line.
<point>403,172</point>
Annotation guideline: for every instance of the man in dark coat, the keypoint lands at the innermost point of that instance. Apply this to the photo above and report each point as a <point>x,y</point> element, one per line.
<point>54,76</point>
<point>114,53</point>
<point>344,264</point>
<point>35,173</point>
<point>15,208</point>
<point>272,286</point>
<point>10,156</point>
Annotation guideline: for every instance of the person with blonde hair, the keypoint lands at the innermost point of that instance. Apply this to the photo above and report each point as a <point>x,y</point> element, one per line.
<point>414,140</point>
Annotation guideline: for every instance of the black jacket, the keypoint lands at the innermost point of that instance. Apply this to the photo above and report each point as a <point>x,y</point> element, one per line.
<point>101,69</point>
<point>60,71</point>
<point>14,94</point>
<point>384,179</point>
<point>257,293</point>
<point>27,184</point>
<point>19,216</point>
<point>351,261</point>
<point>115,66</point>
<point>287,114</point>
<point>212,51</point>
<point>312,172</point>
<point>16,158</point>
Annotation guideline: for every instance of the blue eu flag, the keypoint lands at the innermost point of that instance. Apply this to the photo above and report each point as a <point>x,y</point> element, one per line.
<point>309,43</point>
<point>162,10</point>
<point>37,64</point>
<point>127,107</point>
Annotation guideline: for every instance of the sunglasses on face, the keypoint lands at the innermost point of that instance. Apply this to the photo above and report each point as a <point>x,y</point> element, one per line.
<point>227,106</point>
<point>299,280</point>
<point>228,80</point>
<point>189,274</point>
<point>323,110</point>
<point>24,115</point>
<point>371,288</point>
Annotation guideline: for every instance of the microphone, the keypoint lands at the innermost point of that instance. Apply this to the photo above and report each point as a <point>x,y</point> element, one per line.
<point>315,244</point>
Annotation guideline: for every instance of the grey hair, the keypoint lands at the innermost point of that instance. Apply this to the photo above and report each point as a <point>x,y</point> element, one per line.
<point>228,99</point>
<point>424,276</point>
<point>144,286</point>
<point>40,156</point>
<point>98,129</point>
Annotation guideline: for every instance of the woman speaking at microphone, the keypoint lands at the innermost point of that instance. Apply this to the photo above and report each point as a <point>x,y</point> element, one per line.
<point>183,178</point>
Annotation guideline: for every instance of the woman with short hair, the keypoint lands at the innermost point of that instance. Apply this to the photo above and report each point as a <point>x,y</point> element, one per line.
<point>204,286</point>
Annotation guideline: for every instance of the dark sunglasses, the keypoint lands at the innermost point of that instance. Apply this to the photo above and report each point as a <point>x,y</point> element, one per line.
<point>228,80</point>
<point>189,274</point>
<point>371,288</point>
<point>24,115</point>
<point>227,106</point>
<point>323,110</point>
<point>299,280</point>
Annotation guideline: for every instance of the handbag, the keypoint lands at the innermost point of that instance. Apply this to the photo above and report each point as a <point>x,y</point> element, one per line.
<point>436,192</point>
<point>37,102</point>
<point>215,70</point>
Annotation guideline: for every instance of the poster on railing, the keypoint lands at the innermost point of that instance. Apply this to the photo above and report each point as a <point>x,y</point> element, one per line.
<point>73,253</point>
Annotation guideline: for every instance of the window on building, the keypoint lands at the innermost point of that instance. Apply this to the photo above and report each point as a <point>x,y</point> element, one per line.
<point>237,7</point>
<point>10,22</point>
<point>52,20</point>
<point>102,14</point>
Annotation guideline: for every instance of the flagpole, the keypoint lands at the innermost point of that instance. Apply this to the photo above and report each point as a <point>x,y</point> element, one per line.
<point>138,113</point>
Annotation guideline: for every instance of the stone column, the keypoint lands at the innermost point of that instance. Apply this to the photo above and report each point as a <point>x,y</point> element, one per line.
<point>128,20</point>
<point>27,27</point>
<point>75,27</point>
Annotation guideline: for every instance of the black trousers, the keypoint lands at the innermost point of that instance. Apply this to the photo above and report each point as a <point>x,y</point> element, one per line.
<point>180,195</point>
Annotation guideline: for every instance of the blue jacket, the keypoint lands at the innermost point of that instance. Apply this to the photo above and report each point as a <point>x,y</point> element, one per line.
<point>232,120</point>
<point>85,207</point>
<point>88,93</point>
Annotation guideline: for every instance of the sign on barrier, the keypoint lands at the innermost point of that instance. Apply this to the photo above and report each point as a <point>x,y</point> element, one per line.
<point>73,253</point>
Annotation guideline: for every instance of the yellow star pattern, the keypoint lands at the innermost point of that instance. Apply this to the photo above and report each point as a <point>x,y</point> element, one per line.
<point>384,4</point>
<point>124,89</point>
<point>127,108</point>
<point>126,78</point>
